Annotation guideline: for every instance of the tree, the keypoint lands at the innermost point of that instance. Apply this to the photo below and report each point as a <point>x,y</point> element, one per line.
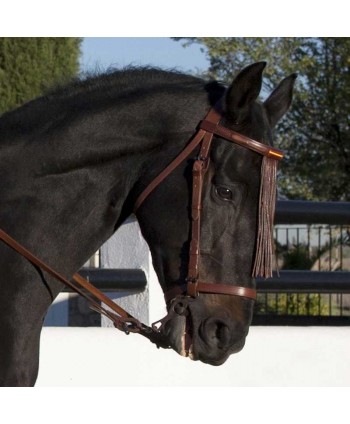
<point>29,65</point>
<point>315,134</point>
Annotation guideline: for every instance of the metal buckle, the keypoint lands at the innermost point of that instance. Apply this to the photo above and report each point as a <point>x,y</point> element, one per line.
<point>192,284</point>
<point>127,325</point>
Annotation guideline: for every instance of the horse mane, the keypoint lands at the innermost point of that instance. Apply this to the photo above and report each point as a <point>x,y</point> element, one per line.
<point>121,79</point>
<point>93,91</point>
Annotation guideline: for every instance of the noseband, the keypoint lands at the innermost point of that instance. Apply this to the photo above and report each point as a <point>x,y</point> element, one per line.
<point>121,319</point>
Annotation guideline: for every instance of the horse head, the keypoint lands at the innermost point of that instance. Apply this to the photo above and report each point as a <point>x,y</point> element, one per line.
<point>210,327</point>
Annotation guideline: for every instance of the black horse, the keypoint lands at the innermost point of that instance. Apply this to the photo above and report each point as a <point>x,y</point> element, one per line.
<point>72,164</point>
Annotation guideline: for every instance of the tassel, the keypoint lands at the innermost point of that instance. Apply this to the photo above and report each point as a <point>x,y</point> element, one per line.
<point>267,201</point>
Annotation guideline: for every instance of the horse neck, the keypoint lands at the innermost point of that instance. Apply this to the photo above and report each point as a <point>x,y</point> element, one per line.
<point>70,181</point>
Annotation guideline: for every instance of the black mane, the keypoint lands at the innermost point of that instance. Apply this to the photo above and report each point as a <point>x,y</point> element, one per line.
<point>91,93</point>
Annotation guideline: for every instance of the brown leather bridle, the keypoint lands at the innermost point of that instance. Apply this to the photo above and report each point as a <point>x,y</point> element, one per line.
<point>121,319</point>
<point>207,128</point>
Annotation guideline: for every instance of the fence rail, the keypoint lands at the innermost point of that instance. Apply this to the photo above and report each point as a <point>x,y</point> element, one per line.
<point>313,249</point>
<point>115,280</point>
<point>305,212</point>
<point>295,281</point>
<point>302,298</point>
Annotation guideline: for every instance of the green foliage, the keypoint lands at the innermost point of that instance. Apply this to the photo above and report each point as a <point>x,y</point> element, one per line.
<point>297,258</point>
<point>291,304</point>
<point>315,134</point>
<point>29,65</point>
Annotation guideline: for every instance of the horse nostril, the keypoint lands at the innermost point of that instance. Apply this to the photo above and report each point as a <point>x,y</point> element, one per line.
<point>222,332</point>
<point>216,332</point>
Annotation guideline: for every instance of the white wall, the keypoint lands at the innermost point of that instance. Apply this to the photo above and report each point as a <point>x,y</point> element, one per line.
<point>273,356</point>
<point>128,249</point>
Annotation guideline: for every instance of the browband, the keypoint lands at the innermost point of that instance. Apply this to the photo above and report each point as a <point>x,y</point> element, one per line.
<point>241,139</point>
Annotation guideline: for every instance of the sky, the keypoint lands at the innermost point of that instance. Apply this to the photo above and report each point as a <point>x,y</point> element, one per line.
<point>100,53</point>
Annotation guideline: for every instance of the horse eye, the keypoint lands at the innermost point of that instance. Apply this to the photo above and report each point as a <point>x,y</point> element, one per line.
<point>224,193</point>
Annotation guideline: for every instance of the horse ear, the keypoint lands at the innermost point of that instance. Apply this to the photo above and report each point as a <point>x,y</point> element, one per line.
<point>280,100</point>
<point>244,89</point>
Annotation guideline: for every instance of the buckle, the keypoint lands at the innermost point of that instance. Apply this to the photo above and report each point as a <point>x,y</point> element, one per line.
<point>192,284</point>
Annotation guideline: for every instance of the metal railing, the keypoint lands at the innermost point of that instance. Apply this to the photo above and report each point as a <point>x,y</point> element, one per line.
<point>305,212</point>
<point>313,251</point>
<point>304,298</point>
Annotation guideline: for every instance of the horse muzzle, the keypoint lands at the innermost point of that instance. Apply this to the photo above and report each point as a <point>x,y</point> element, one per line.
<point>193,333</point>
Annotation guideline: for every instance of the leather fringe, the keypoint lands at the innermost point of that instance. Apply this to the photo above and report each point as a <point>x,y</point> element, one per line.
<point>265,246</point>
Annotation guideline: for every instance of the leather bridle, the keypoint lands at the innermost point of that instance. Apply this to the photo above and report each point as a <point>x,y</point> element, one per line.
<point>194,285</point>
<point>207,128</point>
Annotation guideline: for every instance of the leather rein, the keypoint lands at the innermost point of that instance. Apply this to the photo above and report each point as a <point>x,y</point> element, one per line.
<point>102,304</point>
